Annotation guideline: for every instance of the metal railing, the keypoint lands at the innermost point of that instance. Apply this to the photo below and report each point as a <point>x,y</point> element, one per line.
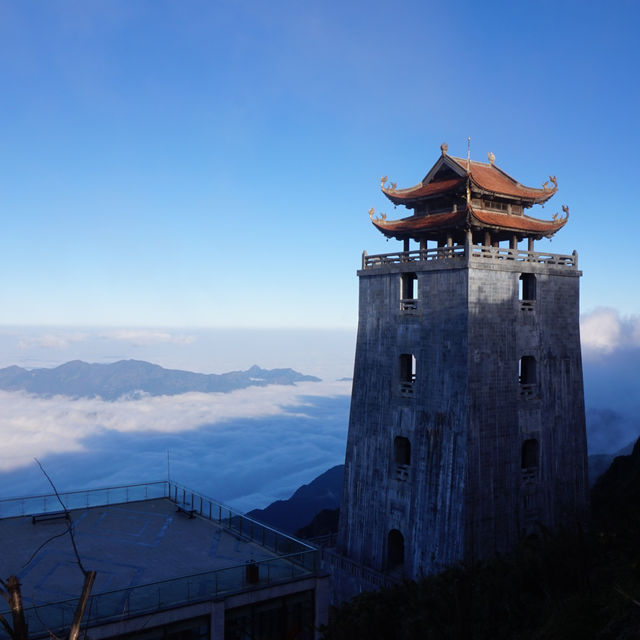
<point>472,252</point>
<point>169,594</point>
<point>378,580</point>
<point>47,503</point>
<point>293,558</point>
<point>239,524</point>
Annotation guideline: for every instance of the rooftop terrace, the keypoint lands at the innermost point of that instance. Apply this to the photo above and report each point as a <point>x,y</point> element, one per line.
<point>154,547</point>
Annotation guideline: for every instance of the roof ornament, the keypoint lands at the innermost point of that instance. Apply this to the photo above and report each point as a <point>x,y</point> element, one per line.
<point>565,208</point>
<point>552,179</point>
<point>492,158</point>
<point>382,218</point>
<point>394,185</point>
<point>444,147</point>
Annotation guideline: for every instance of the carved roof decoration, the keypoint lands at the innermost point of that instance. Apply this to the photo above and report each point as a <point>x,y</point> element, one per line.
<point>459,194</point>
<point>432,225</point>
<point>449,174</point>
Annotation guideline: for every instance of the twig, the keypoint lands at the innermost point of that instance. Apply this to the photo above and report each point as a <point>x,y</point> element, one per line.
<point>7,626</point>
<point>52,636</point>
<point>70,523</point>
<point>44,544</point>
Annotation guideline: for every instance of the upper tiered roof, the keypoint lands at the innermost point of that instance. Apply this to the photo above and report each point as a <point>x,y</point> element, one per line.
<point>458,195</point>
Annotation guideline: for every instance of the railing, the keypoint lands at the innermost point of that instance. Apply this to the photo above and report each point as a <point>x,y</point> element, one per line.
<point>26,506</point>
<point>406,388</point>
<point>419,255</point>
<point>528,389</point>
<point>527,305</point>
<point>409,306</point>
<point>241,525</point>
<point>158,596</point>
<point>294,558</point>
<point>475,252</point>
<point>376,579</point>
<point>503,253</point>
<point>402,472</point>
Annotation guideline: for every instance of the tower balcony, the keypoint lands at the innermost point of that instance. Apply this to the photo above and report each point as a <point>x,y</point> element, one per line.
<point>466,254</point>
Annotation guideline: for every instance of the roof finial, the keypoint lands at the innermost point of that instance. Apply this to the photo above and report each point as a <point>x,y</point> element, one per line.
<point>492,157</point>
<point>468,154</point>
<point>444,147</point>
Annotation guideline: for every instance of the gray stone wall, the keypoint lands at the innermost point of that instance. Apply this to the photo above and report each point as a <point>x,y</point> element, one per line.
<point>463,494</point>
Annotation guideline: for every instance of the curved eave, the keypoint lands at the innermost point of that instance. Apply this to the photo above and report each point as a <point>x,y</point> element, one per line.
<point>492,179</point>
<point>418,225</point>
<point>526,194</point>
<point>524,225</point>
<point>422,191</point>
<point>414,226</point>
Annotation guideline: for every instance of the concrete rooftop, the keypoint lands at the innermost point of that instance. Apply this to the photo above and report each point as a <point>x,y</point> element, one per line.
<point>147,556</point>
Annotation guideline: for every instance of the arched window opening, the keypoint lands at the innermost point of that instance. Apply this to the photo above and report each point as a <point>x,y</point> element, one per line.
<point>402,450</point>
<point>527,375</point>
<point>395,549</point>
<point>530,454</point>
<point>407,373</point>
<point>527,291</point>
<point>408,293</point>
<point>402,457</point>
<point>527,372</point>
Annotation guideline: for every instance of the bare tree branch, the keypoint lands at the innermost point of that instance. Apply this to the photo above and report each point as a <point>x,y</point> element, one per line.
<point>52,636</point>
<point>70,523</point>
<point>4,591</point>
<point>44,544</point>
<point>89,578</point>
<point>7,626</point>
<point>17,611</point>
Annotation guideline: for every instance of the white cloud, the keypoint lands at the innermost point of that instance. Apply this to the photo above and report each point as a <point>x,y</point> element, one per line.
<point>57,341</point>
<point>32,426</point>
<point>604,330</point>
<point>143,338</point>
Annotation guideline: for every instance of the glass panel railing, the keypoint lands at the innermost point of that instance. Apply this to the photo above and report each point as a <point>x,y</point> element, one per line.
<point>295,558</point>
<point>32,505</point>
<point>105,607</point>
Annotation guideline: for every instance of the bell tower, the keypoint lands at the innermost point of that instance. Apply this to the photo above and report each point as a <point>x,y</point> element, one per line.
<point>467,428</point>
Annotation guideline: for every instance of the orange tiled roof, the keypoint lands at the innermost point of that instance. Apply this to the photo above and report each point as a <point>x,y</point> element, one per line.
<point>419,225</point>
<point>484,177</point>
<point>416,224</point>
<point>490,178</point>
<point>526,224</point>
<point>400,196</point>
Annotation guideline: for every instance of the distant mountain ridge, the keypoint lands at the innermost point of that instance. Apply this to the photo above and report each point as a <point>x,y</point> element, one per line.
<point>80,379</point>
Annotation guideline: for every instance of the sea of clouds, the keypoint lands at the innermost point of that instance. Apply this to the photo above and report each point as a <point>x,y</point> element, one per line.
<point>246,448</point>
<point>252,446</point>
<point>611,364</point>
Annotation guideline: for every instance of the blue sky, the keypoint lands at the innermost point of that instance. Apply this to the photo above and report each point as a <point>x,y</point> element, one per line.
<point>211,164</point>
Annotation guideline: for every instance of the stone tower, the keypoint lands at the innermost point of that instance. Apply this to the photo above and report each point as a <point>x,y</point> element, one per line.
<point>467,428</point>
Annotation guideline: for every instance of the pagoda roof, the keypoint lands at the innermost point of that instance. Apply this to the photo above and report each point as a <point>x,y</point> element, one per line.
<point>449,175</point>
<point>435,224</point>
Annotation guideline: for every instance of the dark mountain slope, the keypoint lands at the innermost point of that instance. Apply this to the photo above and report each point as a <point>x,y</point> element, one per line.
<point>290,515</point>
<point>111,381</point>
